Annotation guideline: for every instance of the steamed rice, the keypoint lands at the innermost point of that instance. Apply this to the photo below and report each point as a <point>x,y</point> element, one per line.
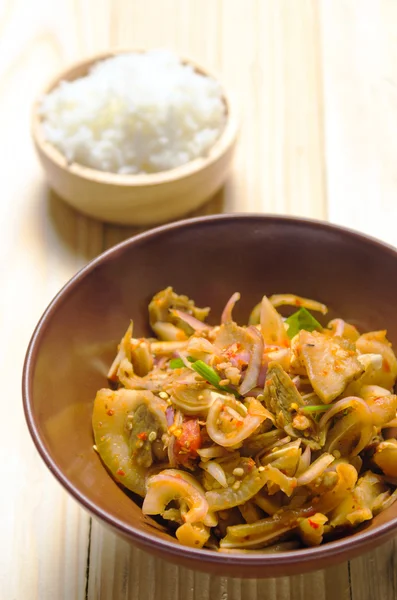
<point>135,113</point>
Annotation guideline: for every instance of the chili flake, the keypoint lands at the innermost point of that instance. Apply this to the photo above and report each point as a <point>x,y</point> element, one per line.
<point>313,524</point>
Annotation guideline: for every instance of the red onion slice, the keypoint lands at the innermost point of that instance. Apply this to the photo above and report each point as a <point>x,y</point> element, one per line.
<point>227,311</point>
<point>316,469</point>
<point>255,363</point>
<point>190,320</point>
<point>169,415</point>
<point>349,402</point>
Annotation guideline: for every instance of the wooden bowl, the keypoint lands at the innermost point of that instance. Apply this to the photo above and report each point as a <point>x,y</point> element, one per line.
<point>208,259</point>
<point>142,199</point>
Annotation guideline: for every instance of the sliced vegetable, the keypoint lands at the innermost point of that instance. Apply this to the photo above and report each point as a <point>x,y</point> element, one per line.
<point>282,356</point>
<point>199,348</point>
<point>124,351</point>
<point>353,429</point>
<point>346,480</point>
<point>250,512</point>
<point>227,311</point>
<point>168,325</point>
<point>213,452</point>
<point>193,399</point>
<point>261,442</point>
<point>304,462</point>
<point>383,408</point>
<point>275,548</point>
<point>385,457</point>
<point>248,487</point>
<point>169,332</point>
<point>342,329</point>
<point>128,426</point>
<point>293,300</point>
<point>316,469</point>
<point>269,504</point>
<point>285,458</point>
<point>255,362</point>
<point>194,323</point>
<point>358,505</point>
<point>166,348</point>
<point>141,357</point>
<point>229,421</point>
<point>170,485</point>
<point>216,471</point>
<point>193,534</point>
<point>331,363</point>
<point>283,399</point>
<point>281,395</point>
<point>264,531</point>
<point>272,326</point>
<point>311,529</point>
<point>376,342</point>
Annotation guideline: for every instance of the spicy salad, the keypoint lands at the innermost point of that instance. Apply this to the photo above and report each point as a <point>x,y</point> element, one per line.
<point>273,435</point>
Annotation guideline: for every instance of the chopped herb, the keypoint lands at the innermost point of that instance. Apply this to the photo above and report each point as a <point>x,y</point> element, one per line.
<point>176,363</point>
<point>315,408</point>
<point>211,376</point>
<point>301,319</point>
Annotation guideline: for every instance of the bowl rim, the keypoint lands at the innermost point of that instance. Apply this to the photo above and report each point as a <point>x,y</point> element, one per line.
<point>340,549</point>
<point>226,139</point>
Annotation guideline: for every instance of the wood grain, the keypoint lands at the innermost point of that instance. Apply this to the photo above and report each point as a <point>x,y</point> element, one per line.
<point>316,85</point>
<point>360,92</point>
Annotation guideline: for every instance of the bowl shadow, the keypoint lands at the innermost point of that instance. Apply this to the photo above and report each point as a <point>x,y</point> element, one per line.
<point>75,230</point>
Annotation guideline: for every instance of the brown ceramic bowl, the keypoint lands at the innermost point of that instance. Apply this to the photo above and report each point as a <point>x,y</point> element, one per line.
<point>209,259</point>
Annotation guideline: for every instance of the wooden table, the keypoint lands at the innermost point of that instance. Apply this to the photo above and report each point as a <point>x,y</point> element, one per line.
<point>317,87</point>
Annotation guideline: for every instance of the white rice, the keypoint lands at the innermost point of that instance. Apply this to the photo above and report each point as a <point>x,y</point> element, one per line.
<point>135,113</point>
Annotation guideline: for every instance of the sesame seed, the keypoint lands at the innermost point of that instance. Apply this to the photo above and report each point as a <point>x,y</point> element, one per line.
<point>152,436</point>
<point>261,469</point>
<point>163,395</point>
<point>236,485</point>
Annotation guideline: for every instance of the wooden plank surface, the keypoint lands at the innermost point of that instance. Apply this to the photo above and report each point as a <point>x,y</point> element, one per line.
<point>316,84</point>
